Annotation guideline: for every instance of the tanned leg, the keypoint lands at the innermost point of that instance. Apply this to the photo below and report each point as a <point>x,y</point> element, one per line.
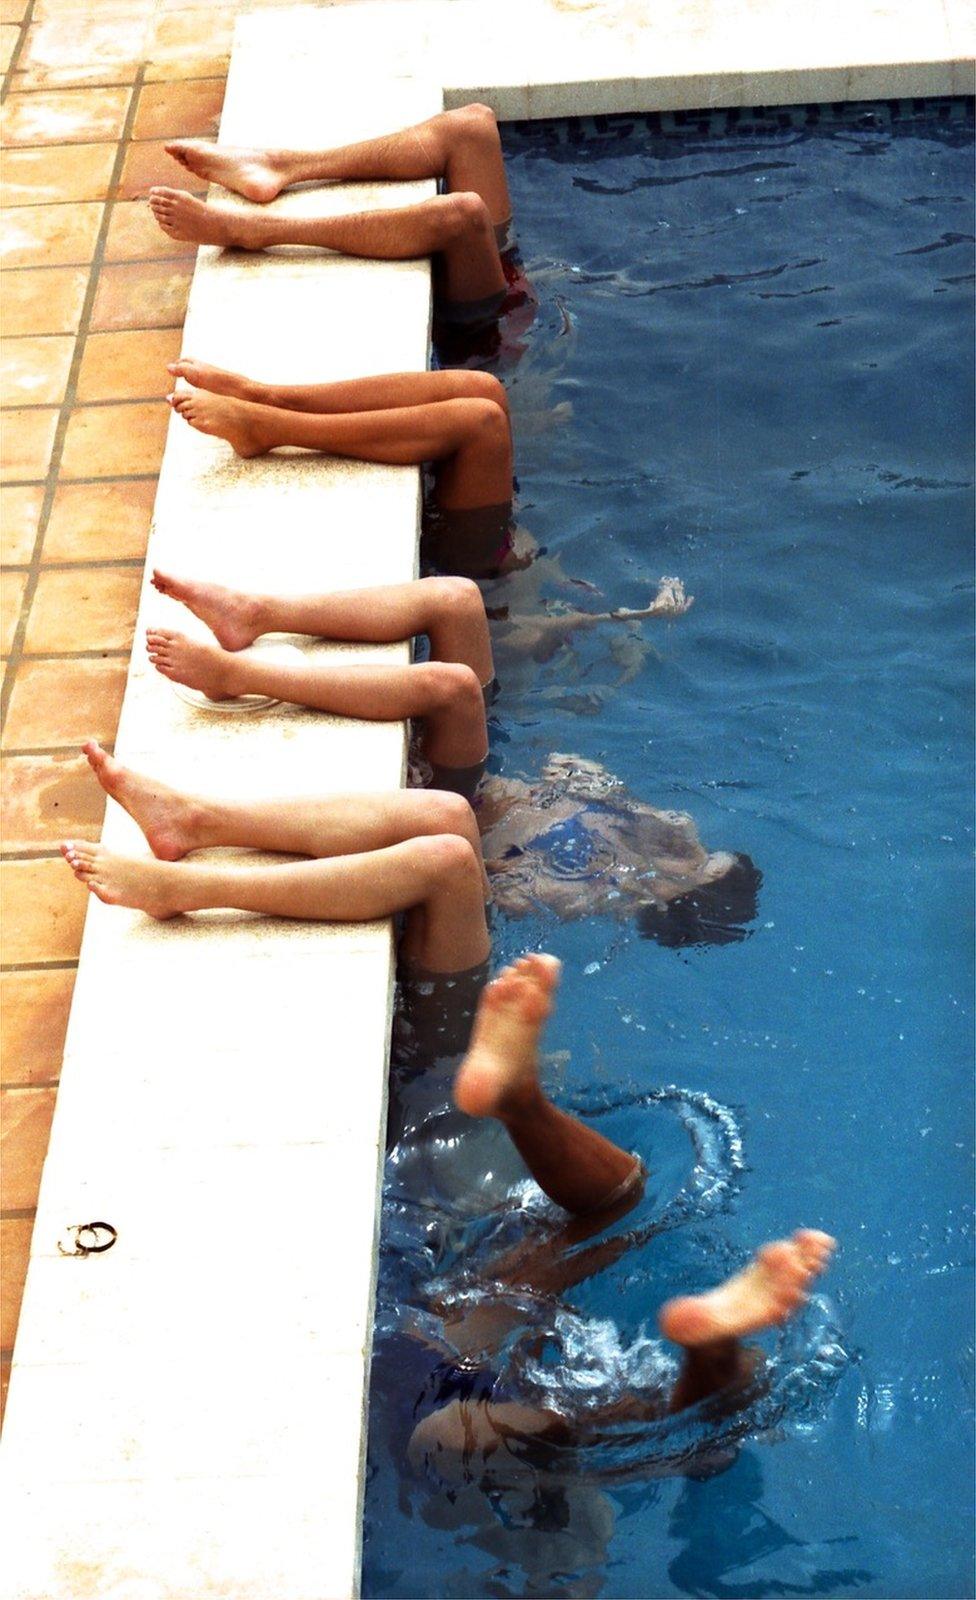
<point>175,823</point>
<point>456,227</point>
<point>448,696</point>
<point>387,392</point>
<point>499,1077</point>
<point>710,1326</point>
<point>437,881</point>
<point>462,147</point>
<point>468,439</point>
<point>450,611</point>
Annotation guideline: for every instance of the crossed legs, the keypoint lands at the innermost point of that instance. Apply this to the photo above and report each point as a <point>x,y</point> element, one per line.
<point>373,856</point>
<point>461,148</point>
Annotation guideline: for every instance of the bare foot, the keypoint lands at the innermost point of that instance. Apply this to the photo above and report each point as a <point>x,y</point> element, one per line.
<point>169,820</point>
<point>194,662</point>
<point>770,1290</point>
<point>233,618</point>
<point>502,1060</point>
<point>124,881</point>
<point>252,173</point>
<point>204,376</point>
<point>237,421</point>
<point>182,216</point>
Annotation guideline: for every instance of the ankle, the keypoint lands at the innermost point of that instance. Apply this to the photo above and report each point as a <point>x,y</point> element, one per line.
<point>521,1103</point>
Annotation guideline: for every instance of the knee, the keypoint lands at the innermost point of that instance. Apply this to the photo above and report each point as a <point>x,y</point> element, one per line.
<point>456,689</point>
<point>476,123</point>
<point>467,217</point>
<point>488,424</point>
<point>450,813</point>
<point>452,863</point>
<point>459,599</point>
<point>485,386</point>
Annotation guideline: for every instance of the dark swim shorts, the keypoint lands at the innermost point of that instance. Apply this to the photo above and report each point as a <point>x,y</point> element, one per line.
<point>468,544</point>
<point>433,1014</point>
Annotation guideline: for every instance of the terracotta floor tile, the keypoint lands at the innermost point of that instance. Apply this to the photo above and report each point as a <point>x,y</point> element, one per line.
<point>64,115</point>
<point>189,44</point>
<point>114,441</point>
<point>13,10</point>
<point>128,366</point>
<point>44,712</point>
<point>49,236</point>
<point>20,512</point>
<point>146,163</point>
<point>36,300</point>
<point>34,1009</point>
<point>44,909</point>
<point>35,371</point>
<point>99,521</point>
<point>85,608</point>
<point>25,1127</point>
<point>5,1370</point>
<point>181,110</point>
<point>81,49</point>
<point>134,235</point>
<point>15,1238</point>
<point>64,10</point>
<point>8,44</point>
<point>25,444</point>
<point>152,294</point>
<point>54,173</point>
<point>47,799</point>
<point>12,586</point>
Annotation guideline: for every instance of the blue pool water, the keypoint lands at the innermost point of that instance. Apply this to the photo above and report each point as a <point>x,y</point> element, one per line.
<point>750,368</point>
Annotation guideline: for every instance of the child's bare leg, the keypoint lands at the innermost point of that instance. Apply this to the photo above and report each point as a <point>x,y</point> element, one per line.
<point>309,825</point>
<point>450,611</point>
<point>576,1166</point>
<point>448,696</point>
<point>469,439</point>
<point>461,146</point>
<point>457,227</point>
<point>386,392</point>
<point>710,1326</point>
<point>436,880</point>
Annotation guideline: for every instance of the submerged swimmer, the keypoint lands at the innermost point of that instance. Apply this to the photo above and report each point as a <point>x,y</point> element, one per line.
<point>468,1410</point>
<point>449,691</point>
<point>577,844</point>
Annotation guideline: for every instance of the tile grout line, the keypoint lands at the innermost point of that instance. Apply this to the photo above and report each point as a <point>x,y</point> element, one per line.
<point>67,406</point>
<point>54,749</point>
<point>25,24</point>
<point>63,266</point>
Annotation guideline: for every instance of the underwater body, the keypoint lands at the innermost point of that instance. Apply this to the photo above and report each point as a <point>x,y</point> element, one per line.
<point>749,367</point>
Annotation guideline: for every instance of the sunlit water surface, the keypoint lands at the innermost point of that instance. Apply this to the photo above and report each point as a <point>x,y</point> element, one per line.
<point>749,368</point>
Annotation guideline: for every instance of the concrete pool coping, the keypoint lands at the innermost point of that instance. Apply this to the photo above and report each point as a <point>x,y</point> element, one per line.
<point>187,1412</point>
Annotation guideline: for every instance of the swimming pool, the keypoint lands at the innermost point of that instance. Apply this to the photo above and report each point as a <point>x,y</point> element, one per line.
<point>749,367</point>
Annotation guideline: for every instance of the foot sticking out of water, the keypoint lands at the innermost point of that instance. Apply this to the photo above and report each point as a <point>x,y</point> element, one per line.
<point>168,820</point>
<point>232,618</point>
<point>502,1063</point>
<point>767,1293</point>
